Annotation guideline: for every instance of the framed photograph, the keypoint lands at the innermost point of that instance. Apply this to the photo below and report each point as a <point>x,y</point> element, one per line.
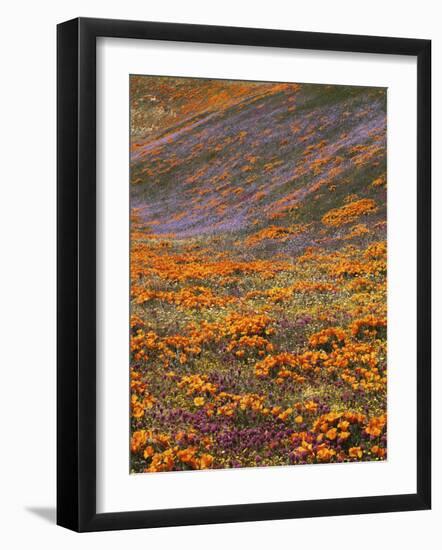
<point>243,274</point>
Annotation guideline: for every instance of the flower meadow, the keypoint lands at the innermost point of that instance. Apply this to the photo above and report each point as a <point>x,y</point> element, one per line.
<point>258,274</point>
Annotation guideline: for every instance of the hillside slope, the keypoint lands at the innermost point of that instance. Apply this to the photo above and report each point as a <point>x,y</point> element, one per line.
<point>258,275</point>
<point>286,156</point>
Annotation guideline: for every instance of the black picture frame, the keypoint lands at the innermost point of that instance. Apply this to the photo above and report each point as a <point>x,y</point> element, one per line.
<point>76,274</point>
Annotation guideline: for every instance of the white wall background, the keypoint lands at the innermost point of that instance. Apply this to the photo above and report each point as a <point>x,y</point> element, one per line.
<point>27,272</point>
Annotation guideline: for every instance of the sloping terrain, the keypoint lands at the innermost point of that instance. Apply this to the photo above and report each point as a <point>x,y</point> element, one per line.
<point>258,265</point>
<point>288,156</point>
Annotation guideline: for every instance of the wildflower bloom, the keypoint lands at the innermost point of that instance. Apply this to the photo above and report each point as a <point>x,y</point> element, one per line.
<point>258,269</point>
<point>355,452</point>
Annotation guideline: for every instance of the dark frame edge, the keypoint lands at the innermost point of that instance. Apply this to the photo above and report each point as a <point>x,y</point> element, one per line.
<point>254,512</point>
<point>250,36</point>
<point>424,273</point>
<point>67,275</point>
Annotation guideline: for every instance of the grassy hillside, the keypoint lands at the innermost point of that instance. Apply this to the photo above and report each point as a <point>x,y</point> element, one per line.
<point>258,265</point>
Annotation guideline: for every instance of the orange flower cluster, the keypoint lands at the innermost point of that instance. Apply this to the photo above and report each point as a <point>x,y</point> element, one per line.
<point>381,181</point>
<point>355,363</point>
<point>337,436</point>
<point>226,404</point>
<point>143,345</point>
<point>197,383</point>
<point>280,366</point>
<point>377,250</point>
<point>328,339</point>
<point>369,327</point>
<point>164,456</point>
<point>168,267</point>
<point>274,232</point>
<point>349,212</point>
<point>140,405</point>
<point>357,268</point>
<point>206,332</point>
<point>250,343</point>
<point>349,262</point>
<point>358,366</point>
<point>351,355</point>
<point>244,332</point>
<point>141,342</point>
<point>238,325</point>
<point>148,261</point>
<point>136,382</point>
<point>194,297</point>
<point>376,425</point>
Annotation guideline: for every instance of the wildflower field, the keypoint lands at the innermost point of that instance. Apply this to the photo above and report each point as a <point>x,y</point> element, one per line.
<point>258,274</point>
